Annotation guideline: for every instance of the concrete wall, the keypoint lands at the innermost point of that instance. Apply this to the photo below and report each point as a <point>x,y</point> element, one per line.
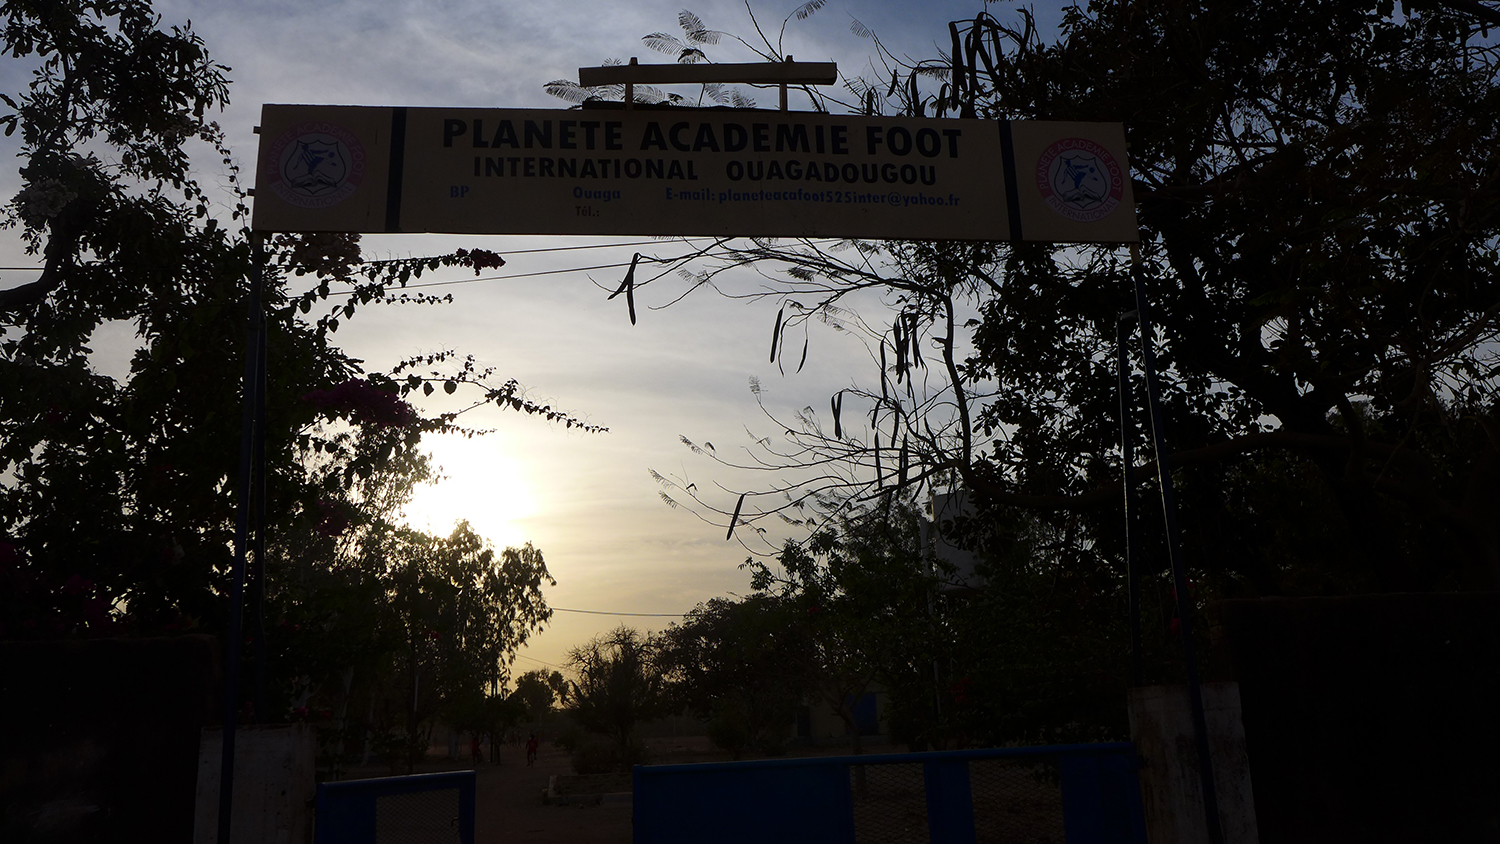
<point>275,782</point>
<point>1161,725</point>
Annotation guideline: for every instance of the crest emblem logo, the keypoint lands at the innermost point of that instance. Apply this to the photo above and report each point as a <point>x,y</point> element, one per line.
<point>1079,179</point>
<point>317,165</point>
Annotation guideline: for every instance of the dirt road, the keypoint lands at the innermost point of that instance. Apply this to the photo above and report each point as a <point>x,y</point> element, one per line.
<point>510,810</point>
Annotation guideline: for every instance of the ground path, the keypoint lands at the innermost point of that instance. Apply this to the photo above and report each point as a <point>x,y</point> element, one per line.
<point>510,810</point>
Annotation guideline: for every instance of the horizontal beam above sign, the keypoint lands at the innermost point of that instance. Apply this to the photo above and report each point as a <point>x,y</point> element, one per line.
<point>755,73</point>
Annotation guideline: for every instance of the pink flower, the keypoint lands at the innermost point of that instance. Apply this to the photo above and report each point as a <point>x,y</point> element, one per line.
<point>333,519</point>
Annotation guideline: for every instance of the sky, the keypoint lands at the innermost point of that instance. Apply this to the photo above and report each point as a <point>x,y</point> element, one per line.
<point>588,501</point>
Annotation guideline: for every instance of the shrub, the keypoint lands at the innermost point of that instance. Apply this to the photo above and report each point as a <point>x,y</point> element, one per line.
<point>596,754</point>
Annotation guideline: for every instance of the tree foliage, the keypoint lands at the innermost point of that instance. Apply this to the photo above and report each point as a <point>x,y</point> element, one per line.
<point>617,686</point>
<point>860,593</point>
<point>1319,241</point>
<point>852,611</point>
<point>117,504</point>
<point>464,608</point>
<point>739,665</point>
<point>538,691</point>
<point>1319,207</point>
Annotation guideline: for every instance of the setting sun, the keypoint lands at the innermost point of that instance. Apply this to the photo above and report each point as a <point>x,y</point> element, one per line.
<point>480,483</point>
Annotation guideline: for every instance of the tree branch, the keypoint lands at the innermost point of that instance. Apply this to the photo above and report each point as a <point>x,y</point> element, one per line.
<point>1473,8</point>
<point>1109,494</point>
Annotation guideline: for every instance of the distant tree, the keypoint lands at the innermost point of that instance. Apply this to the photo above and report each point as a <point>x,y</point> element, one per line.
<point>460,611</point>
<point>487,714</point>
<point>1040,653</point>
<point>860,597</point>
<point>562,690</point>
<point>738,665</point>
<point>420,628</point>
<point>618,685</point>
<point>537,691</point>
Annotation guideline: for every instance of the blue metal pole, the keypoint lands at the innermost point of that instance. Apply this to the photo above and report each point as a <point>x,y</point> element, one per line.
<point>1174,551</point>
<point>1127,480</point>
<point>258,572</point>
<point>255,327</point>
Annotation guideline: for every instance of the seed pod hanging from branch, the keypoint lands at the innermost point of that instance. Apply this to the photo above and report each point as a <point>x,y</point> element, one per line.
<point>735,518</point>
<point>628,287</point>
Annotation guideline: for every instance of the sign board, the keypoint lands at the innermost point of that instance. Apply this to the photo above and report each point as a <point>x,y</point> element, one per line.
<point>689,172</point>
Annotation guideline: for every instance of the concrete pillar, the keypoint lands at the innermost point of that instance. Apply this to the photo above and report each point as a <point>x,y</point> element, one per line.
<point>1161,725</point>
<point>275,771</point>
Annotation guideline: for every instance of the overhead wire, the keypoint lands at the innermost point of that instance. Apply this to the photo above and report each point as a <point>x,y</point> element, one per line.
<point>503,277</point>
<point>637,614</point>
<point>540,661</point>
<point>568,248</point>
<point>533,274</point>
<point>551,272</point>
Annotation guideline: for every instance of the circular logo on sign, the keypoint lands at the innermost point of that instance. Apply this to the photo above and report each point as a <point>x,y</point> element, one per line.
<point>318,164</point>
<point>1080,180</point>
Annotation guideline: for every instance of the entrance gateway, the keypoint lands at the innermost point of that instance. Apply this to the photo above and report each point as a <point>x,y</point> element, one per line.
<point>682,171</point>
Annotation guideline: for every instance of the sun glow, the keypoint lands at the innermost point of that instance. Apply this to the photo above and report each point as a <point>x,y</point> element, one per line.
<point>479,482</point>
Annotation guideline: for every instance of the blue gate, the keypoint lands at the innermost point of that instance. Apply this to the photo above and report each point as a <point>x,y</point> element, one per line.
<point>419,808</point>
<point>1079,794</point>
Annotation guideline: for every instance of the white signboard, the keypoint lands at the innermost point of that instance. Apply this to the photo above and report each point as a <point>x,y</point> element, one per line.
<point>689,172</point>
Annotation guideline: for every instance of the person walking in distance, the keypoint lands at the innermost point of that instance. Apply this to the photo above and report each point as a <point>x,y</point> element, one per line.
<point>531,746</point>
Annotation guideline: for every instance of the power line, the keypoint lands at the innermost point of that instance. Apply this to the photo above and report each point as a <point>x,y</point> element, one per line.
<point>495,277</point>
<point>502,277</point>
<point>558,272</point>
<point>640,614</point>
<point>560,248</point>
<point>394,290</point>
<point>506,252</point>
<point>539,661</point>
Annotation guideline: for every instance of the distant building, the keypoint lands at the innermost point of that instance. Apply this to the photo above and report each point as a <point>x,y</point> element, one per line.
<point>939,534</point>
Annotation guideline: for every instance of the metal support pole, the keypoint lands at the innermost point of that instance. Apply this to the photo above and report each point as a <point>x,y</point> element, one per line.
<point>783,88</point>
<point>630,89</point>
<point>1174,551</point>
<point>255,327</point>
<point>258,572</point>
<point>937,677</point>
<point>1127,463</point>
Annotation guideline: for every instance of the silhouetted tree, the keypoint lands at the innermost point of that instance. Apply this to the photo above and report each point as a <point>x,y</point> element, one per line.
<point>118,503</point>
<point>1319,239</point>
<point>739,665</point>
<point>537,690</point>
<point>617,686</point>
